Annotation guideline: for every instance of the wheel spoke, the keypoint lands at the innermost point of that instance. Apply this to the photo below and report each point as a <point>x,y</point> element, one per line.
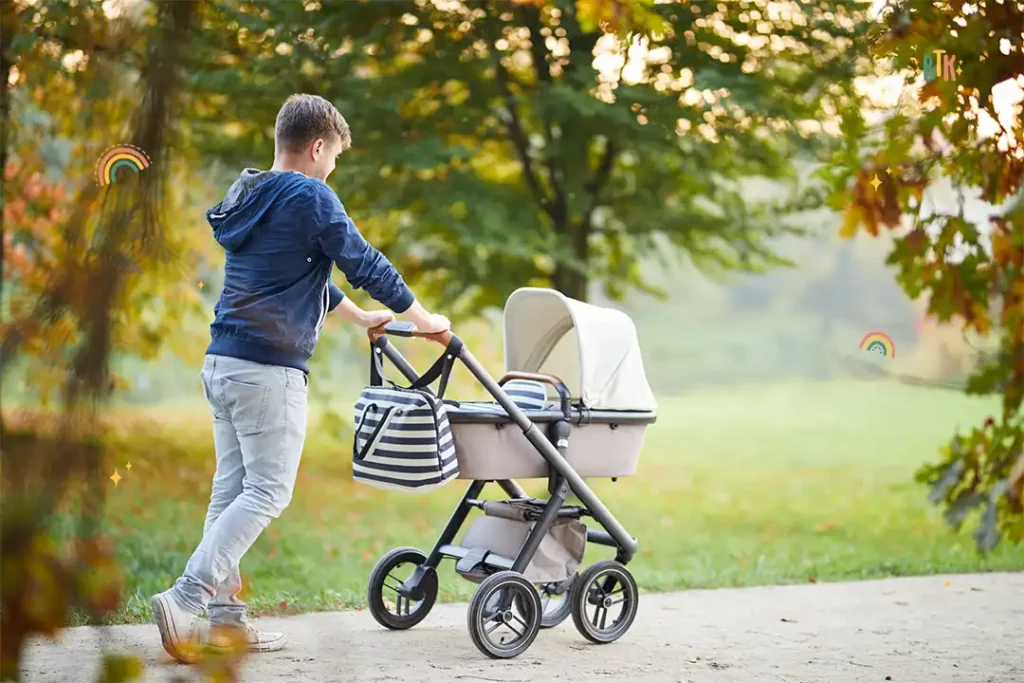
<point>497,623</point>
<point>597,613</point>
<point>388,585</point>
<point>604,617</point>
<point>512,628</point>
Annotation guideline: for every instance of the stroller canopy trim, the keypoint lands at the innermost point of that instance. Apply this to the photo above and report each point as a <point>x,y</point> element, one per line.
<point>593,349</point>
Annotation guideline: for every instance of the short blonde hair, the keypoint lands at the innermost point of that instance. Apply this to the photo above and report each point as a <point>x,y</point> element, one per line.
<point>304,118</point>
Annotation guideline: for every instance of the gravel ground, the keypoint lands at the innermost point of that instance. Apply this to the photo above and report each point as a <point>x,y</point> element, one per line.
<point>939,629</point>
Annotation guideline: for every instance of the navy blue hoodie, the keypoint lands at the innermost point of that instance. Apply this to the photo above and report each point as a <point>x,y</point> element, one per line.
<point>283,232</point>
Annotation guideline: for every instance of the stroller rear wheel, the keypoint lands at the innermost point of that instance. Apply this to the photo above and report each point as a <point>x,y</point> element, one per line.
<point>605,589</point>
<point>504,615</point>
<point>555,603</point>
<point>388,606</point>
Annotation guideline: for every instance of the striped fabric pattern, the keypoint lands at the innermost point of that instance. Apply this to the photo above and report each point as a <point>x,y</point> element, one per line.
<point>403,440</point>
<point>527,394</point>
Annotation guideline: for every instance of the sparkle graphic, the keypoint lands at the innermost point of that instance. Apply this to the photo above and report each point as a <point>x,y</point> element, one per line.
<point>200,284</point>
<point>128,466</point>
<point>888,170</point>
<point>115,477</point>
<point>875,183</point>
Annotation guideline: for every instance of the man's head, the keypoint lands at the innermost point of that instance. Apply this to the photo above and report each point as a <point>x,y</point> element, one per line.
<point>309,135</point>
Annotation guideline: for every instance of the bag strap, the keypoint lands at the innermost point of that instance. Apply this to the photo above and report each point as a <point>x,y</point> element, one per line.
<point>359,428</point>
<point>442,368</point>
<point>360,453</point>
<point>377,377</point>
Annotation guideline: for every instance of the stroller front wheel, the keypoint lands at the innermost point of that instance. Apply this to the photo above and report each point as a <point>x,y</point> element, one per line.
<point>504,615</point>
<point>388,605</point>
<point>604,601</point>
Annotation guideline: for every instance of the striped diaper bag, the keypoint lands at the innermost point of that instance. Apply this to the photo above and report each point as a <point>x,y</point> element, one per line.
<point>403,440</point>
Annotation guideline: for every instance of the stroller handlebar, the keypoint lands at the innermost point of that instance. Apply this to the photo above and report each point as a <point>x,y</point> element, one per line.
<point>565,399</point>
<point>407,329</point>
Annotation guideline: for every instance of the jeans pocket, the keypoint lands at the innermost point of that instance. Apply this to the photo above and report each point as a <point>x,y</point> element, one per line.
<point>247,405</point>
<point>296,380</point>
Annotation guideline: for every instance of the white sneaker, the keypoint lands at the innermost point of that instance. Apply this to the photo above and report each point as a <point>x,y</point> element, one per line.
<point>225,638</point>
<point>264,641</point>
<point>182,633</point>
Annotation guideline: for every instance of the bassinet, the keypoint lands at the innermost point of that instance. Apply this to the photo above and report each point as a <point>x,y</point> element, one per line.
<point>595,353</point>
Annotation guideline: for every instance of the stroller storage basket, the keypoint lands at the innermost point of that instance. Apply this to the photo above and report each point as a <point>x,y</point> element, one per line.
<point>503,529</point>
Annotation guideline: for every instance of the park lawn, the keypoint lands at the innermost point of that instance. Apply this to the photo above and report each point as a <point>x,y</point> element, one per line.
<point>737,487</point>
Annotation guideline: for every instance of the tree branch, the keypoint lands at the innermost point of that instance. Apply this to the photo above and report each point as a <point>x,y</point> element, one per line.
<point>520,141</point>
<point>538,54</point>
<point>601,175</point>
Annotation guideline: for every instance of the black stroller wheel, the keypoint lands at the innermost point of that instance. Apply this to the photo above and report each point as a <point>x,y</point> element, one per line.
<point>555,605</point>
<point>504,615</point>
<point>604,601</point>
<point>390,608</point>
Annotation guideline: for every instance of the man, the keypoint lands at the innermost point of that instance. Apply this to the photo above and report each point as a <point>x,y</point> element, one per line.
<point>283,231</point>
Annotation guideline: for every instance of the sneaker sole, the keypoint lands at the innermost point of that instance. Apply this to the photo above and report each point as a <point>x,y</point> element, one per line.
<point>163,625</point>
<point>269,646</point>
<point>265,646</point>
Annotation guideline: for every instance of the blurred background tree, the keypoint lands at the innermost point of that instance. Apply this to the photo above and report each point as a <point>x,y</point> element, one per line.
<point>81,268</point>
<point>970,272</point>
<point>557,143</point>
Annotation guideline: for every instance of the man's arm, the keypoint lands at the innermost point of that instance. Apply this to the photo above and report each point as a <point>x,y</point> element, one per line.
<point>332,231</point>
<point>350,312</point>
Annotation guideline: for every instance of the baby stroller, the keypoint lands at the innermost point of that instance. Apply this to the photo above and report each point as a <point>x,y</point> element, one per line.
<point>525,553</point>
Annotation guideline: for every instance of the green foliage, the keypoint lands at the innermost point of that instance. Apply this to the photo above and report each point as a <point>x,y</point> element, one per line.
<point>501,144</point>
<point>953,128</point>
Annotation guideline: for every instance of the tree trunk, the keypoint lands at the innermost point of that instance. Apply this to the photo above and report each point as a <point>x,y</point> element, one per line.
<point>567,279</point>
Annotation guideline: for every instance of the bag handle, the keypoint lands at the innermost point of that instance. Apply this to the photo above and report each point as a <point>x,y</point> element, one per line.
<point>360,453</point>
<point>377,377</point>
<point>441,368</point>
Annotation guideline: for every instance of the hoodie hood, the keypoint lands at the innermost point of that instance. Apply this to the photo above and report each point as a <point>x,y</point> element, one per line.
<point>234,218</point>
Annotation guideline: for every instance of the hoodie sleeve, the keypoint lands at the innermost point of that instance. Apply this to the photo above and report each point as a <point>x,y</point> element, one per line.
<point>335,296</point>
<point>333,232</point>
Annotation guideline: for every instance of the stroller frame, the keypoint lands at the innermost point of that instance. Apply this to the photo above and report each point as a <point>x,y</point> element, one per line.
<point>563,480</point>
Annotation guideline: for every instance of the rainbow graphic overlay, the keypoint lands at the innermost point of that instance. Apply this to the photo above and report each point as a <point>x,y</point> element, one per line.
<point>117,158</point>
<point>878,342</point>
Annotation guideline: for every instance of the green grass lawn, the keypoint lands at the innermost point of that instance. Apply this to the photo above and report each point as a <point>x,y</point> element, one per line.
<point>761,485</point>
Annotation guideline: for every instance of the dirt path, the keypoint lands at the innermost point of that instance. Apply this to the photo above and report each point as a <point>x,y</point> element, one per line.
<point>925,630</point>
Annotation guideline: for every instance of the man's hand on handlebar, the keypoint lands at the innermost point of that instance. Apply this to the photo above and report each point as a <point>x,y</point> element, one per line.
<point>436,324</point>
<point>432,326</point>
<point>425,321</point>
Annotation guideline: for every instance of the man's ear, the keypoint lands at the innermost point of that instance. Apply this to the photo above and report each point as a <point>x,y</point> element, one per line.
<point>317,149</point>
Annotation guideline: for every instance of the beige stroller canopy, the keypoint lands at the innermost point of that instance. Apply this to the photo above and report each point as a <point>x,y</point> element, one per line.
<point>594,350</point>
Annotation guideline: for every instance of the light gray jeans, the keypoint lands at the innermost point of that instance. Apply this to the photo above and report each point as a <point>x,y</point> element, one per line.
<point>259,426</point>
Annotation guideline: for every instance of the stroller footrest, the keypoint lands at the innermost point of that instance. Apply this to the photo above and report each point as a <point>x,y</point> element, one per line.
<point>473,558</point>
<point>489,558</point>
